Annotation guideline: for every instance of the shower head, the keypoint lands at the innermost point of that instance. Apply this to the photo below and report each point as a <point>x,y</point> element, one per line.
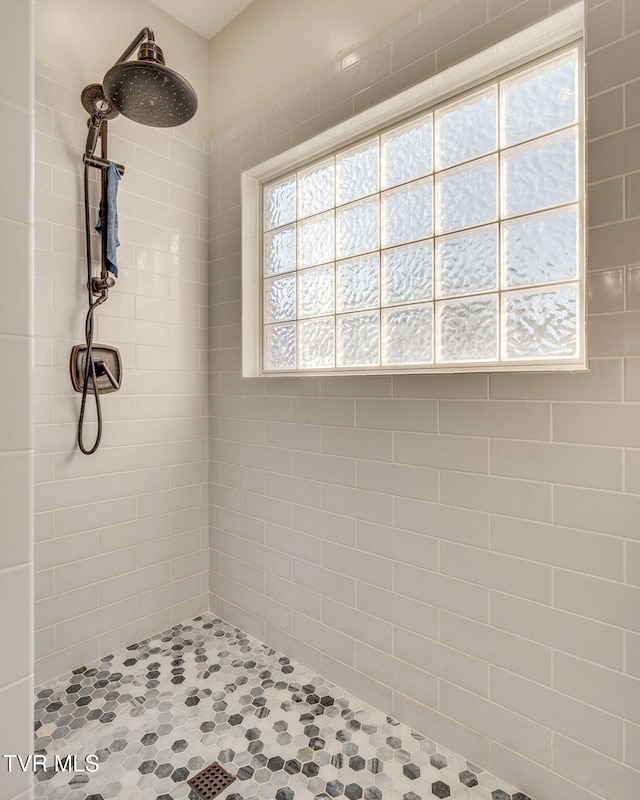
<point>147,91</point>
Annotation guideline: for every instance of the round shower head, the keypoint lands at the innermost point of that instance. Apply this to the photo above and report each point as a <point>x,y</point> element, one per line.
<point>148,92</point>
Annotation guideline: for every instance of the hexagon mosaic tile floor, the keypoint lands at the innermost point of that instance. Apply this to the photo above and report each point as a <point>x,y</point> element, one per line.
<point>154,715</point>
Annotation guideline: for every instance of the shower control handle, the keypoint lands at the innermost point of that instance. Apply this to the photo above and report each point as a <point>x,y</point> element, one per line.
<point>103,369</point>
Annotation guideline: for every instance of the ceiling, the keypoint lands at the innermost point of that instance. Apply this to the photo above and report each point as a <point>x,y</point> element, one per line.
<point>205,17</point>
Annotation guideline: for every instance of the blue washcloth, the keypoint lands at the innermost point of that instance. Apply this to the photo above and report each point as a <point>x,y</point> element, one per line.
<point>111,193</point>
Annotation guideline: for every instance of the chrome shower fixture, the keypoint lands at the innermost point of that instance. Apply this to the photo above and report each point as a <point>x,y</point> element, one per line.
<point>144,90</point>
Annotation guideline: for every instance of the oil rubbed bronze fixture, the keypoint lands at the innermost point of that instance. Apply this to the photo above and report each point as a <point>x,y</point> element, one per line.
<point>148,92</point>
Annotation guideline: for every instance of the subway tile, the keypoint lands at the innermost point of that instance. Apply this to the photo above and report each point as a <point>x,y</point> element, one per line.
<point>511,420</point>
<point>632,112</point>
<point>442,521</point>
<point>327,411</point>
<point>613,65</point>
<point>396,479</point>
<point>558,546</point>
<point>268,509</point>
<point>399,545</point>
<point>293,436</point>
<point>16,501</point>
<point>356,386</point>
<point>561,630</point>
<point>632,570</point>
<point>597,424</point>
<point>577,465</point>
<point>295,490</point>
<point>370,690</point>
<point>324,638</point>
<point>277,614</point>
<point>565,715</point>
<point>16,597</point>
<point>74,630</point>
<point>497,647</point>
<point>597,598</point>
<point>325,582</point>
<point>603,25</point>
<point>397,414</point>
<point>606,291</point>
<point>293,595</point>
<point>124,587</point>
<point>358,503</point>
<point>293,542</point>
<point>594,770</point>
<point>357,564</point>
<point>264,558</point>
<point>16,704</point>
<point>602,512</point>
<point>464,453</point>
<point>332,527</point>
<point>613,245</point>
<point>324,467</point>
<point>510,496</point>
<point>401,611</point>
<point>605,114</point>
<point>358,443</point>
<point>632,745</point>
<point>442,661</point>
<point>515,576</point>
<point>299,650</point>
<point>169,595</point>
<point>442,591</point>
<point>527,738</point>
<point>357,625</point>
<point>441,386</point>
<point>390,671</point>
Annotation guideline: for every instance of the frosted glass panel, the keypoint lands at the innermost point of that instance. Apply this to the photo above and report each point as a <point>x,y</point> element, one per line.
<point>316,240</point>
<point>358,228</point>
<point>541,249</point>
<point>357,340</point>
<point>407,213</point>
<point>315,189</point>
<point>467,129</point>
<point>280,250</point>
<point>467,196</point>
<point>407,152</point>
<point>316,292</point>
<point>407,273</point>
<point>407,335</point>
<point>357,283</point>
<point>541,324</point>
<point>280,203</point>
<point>316,343</point>
<point>467,262</point>
<point>467,330</point>
<point>541,99</point>
<point>280,298</point>
<point>540,175</point>
<point>280,346</point>
<point>357,172</point>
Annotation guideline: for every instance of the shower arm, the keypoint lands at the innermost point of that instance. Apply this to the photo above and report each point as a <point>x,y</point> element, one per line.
<point>146,34</point>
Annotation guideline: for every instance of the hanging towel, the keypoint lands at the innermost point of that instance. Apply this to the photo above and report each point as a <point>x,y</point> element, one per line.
<point>110,195</point>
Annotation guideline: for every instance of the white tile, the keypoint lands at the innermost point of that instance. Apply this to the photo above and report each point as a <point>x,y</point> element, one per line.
<point>16,501</point>
<point>16,593</point>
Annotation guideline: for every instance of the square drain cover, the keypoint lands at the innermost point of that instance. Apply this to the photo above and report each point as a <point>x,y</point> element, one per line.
<point>210,781</point>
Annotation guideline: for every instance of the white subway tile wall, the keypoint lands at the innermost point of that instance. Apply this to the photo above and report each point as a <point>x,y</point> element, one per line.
<point>16,419</point>
<point>122,536</point>
<point>460,550</point>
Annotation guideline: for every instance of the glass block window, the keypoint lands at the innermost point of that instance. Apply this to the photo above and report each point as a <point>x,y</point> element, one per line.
<point>448,241</point>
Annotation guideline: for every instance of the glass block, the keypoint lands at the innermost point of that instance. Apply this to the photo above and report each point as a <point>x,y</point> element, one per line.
<point>407,152</point>
<point>357,340</point>
<point>280,250</point>
<point>280,346</point>
<point>467,262</point>
<point>280,203</point>
<point>315,189</point>
<point>407,273</point>
<point>407,213</point>
<point>540,175</point>
<point>407,335</point>
<point>280,298</point>
<point>357,172</point>
<point>467,196</point>
<point>316,343</point>
<point>467,129</point>
<point>541,99</point>
<point>316,240</point>
<point>540,249</point>
<point>357,283</point>
<point>467,330</point>
<point>541,324</point>
<point>316,291</point>
<point>358,228</point>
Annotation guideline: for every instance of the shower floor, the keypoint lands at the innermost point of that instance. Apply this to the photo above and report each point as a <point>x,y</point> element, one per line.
<point>156,713</point>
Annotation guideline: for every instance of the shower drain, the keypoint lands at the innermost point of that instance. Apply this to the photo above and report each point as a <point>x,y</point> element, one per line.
<point>210,781</point>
